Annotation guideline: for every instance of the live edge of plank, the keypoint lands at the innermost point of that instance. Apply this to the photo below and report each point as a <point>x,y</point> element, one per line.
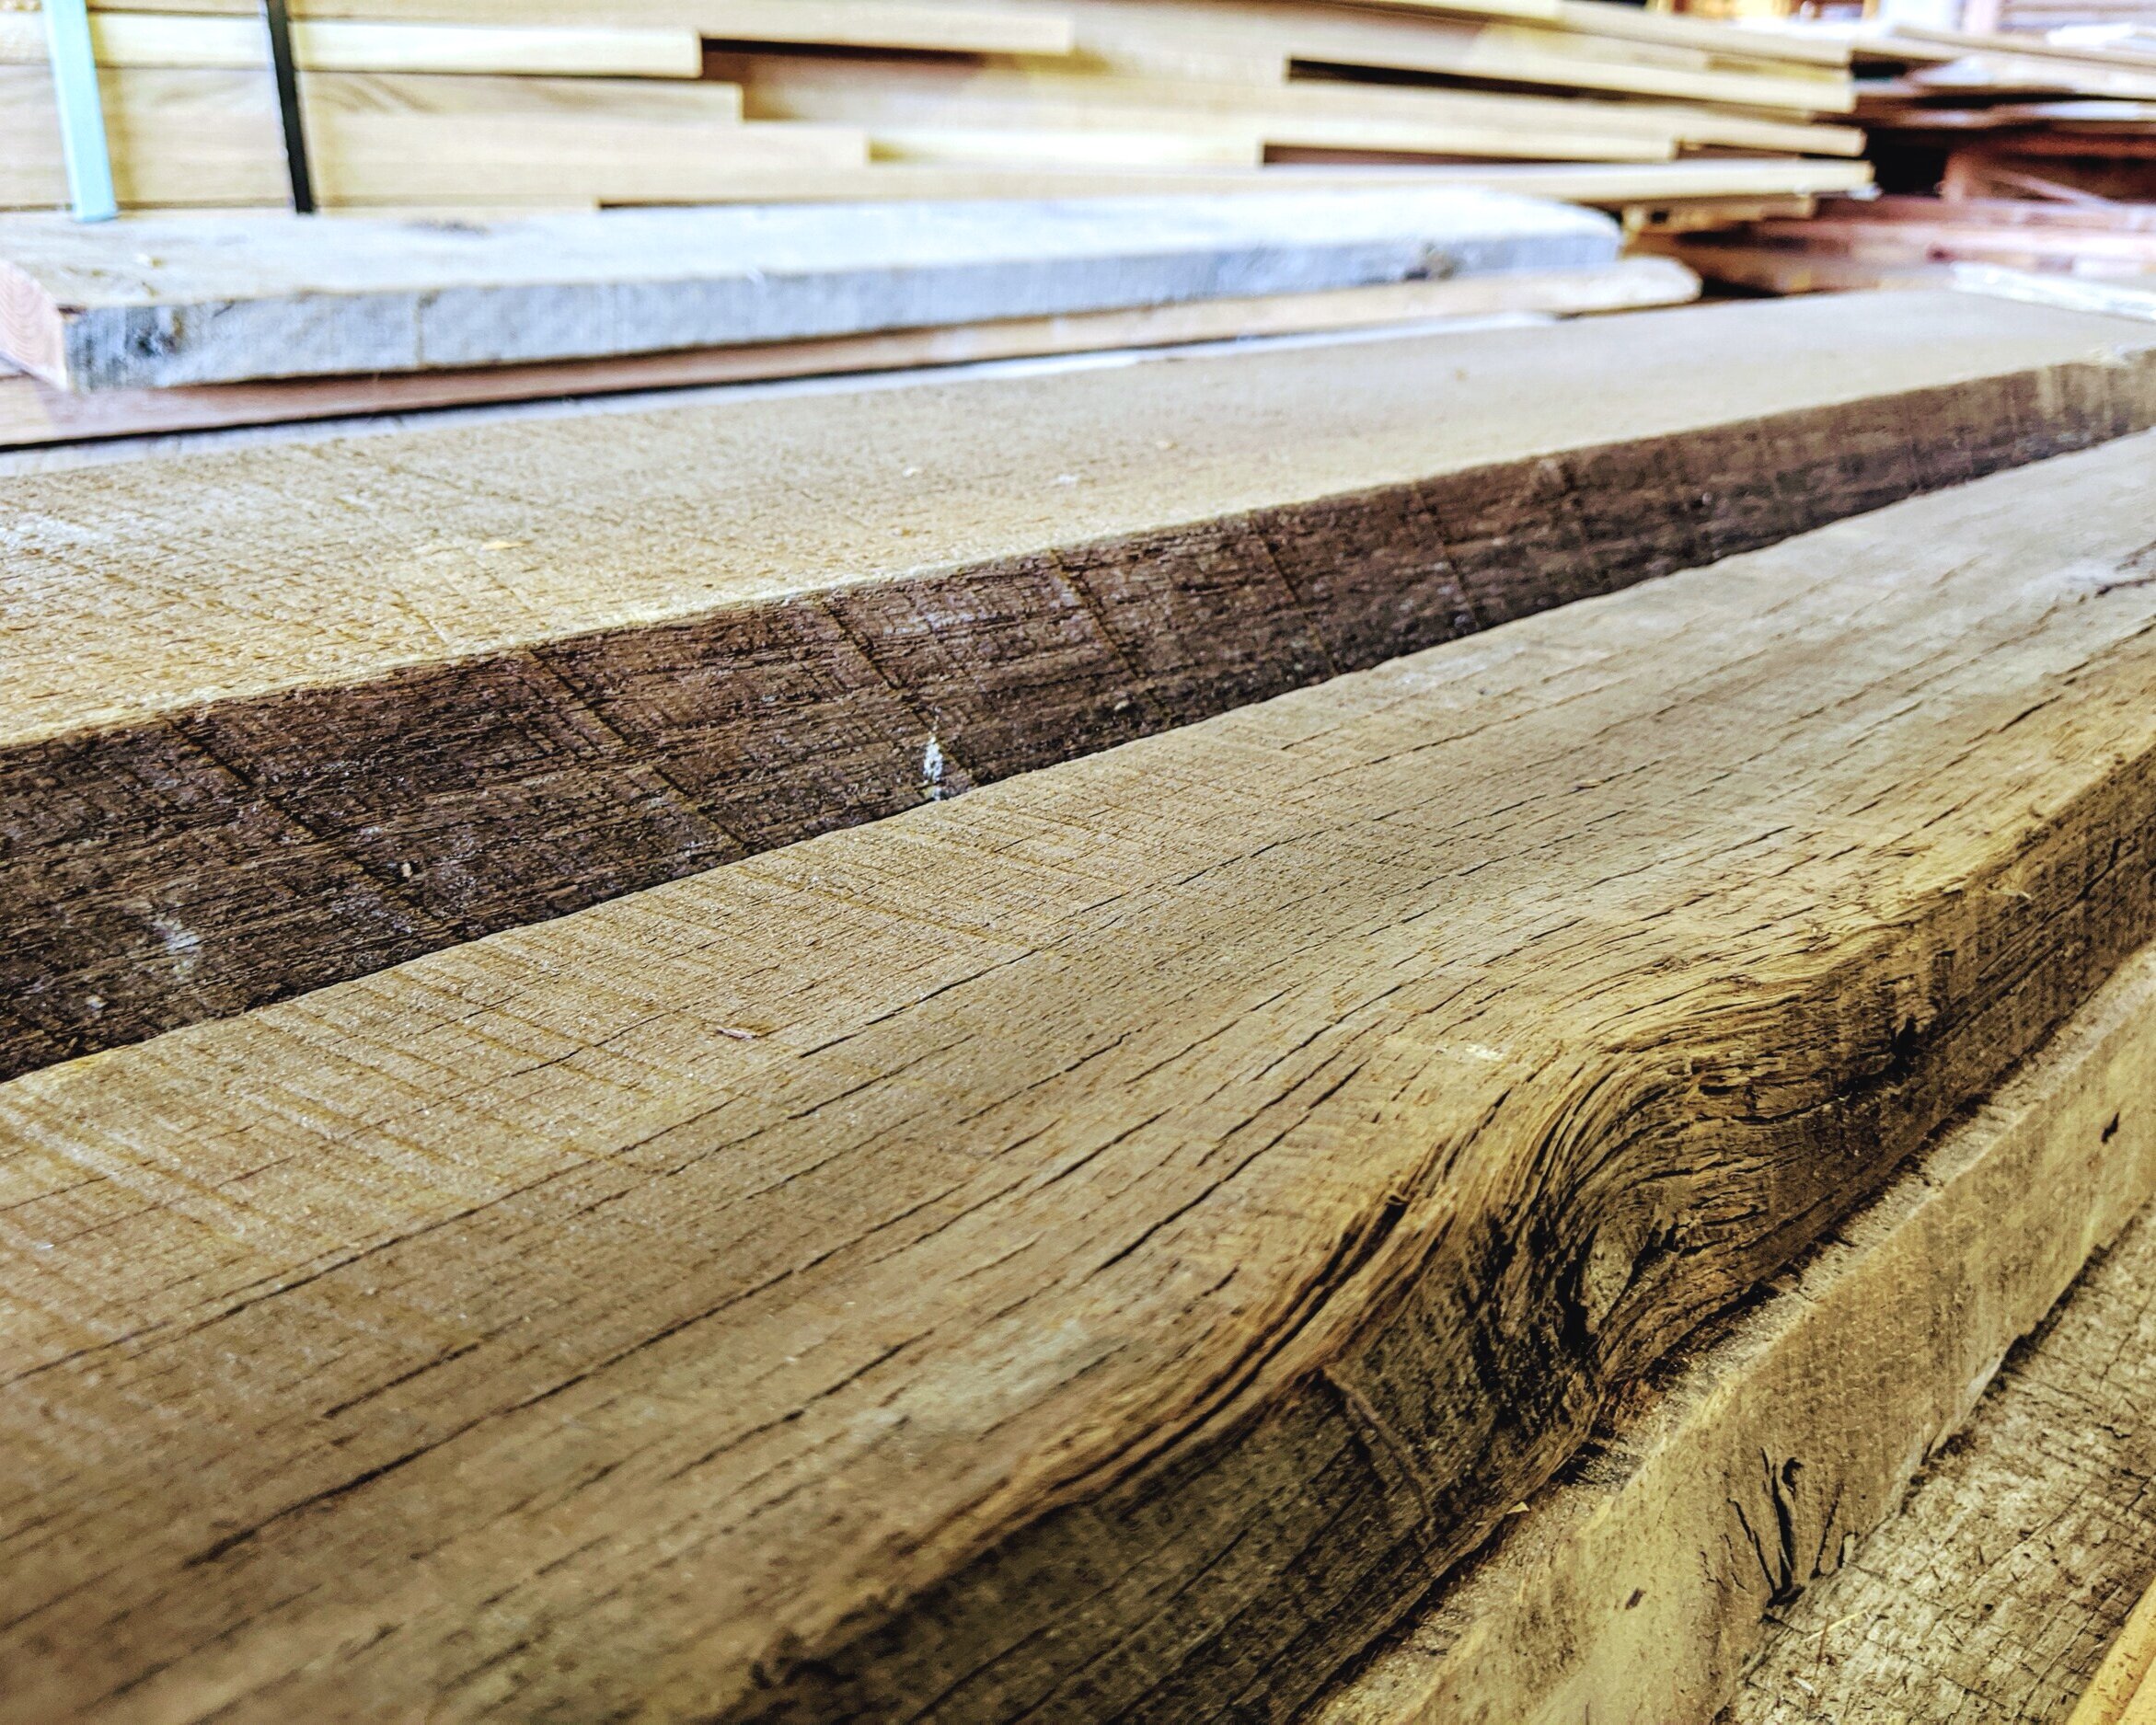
<point>1101,1244</point>
<point>520,711</point>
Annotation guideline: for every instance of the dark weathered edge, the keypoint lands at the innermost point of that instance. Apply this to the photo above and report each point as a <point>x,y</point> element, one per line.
<point>201,863</point>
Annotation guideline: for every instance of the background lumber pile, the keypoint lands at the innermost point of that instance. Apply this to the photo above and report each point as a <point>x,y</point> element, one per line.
<point>2000,150</point>
<point>495,102</point>
<point>1101,1243</point>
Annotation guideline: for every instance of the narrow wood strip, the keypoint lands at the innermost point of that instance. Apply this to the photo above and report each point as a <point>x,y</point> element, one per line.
<point>929,26</point>
<point>1641,1586</point>
<point>2120,1693</point>
<point>342,705</point>
<point>33,412</point>
<point>130,39</point>
<point>1100,1244</point>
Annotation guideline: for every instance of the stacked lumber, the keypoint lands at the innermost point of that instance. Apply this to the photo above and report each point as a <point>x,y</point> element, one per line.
<point>498,102</point>
<point>1744,1515</point>
<point>2000,152</point>
<point>2099,256</point>
<point>1996,115</point>
<point>2011,1579</point>
<point>1100,1244</point>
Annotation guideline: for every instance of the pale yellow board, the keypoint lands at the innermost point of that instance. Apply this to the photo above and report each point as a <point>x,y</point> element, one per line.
<point>914,24</point>
<point>836,93</point>
<point>2121,1693</point>
<point>148,39</point>
<point>210,139</point>
<point>1155,37</point>
<point>1308,112</point>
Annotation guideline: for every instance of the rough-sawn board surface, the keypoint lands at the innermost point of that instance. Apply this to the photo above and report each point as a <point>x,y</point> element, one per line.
<point>1099,1245</point>
<point>1990,1598</point>
<point>284,716</point>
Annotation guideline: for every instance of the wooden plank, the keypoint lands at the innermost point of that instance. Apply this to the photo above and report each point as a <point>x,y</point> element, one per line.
<point>908,24</point>
<point>2027,73</point>
<point>1791,269</point>
<point>1234,1169</point>
<point>2024,45</point>
<point>1071,578</point>
<point>152,303</point>
<point>2018,1552</point>
<point>32,412</point>
<point>142,38</point>
<point>1713,37</point>
<point>1134,37</point>
<point>1642,1585</point>
<point>1309,112</point>
<point>783,88</point>
<point>210,138</point>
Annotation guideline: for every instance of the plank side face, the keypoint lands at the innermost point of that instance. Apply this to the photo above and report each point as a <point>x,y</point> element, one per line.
<point>1100,1244</point>
<point>326,757</point>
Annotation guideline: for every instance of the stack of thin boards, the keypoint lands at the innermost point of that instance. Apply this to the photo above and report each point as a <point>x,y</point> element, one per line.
<point>1033,1049</point>
<point>439,103</point>
<point>2094,255</point>
<point>2003,115</point>
<point>2000,152</point>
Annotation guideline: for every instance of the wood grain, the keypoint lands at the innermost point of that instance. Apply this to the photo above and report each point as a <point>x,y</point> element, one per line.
<point>1635,1590</point>
<point>149,302</point>
<point>288,715</point>
<point>1098,1246</point>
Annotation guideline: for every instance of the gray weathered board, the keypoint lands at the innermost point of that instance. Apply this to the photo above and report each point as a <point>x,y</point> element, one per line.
<point>155,302</point>
<point>282,716</point>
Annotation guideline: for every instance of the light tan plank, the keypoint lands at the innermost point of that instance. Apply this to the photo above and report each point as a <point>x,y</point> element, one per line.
<point>143,38</point>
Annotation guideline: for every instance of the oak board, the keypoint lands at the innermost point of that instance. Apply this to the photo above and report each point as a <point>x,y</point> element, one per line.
<point>1758,1456</point>
<point>287,716</point>
<point>1103,1243</point>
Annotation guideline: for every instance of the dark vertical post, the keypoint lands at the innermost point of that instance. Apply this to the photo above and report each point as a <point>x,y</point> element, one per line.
<point>288,116</point>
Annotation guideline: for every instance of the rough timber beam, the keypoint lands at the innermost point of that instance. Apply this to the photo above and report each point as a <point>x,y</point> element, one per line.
<point>1097,1247</point>
<point>1638,1590</point>
<point>290,715</point>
